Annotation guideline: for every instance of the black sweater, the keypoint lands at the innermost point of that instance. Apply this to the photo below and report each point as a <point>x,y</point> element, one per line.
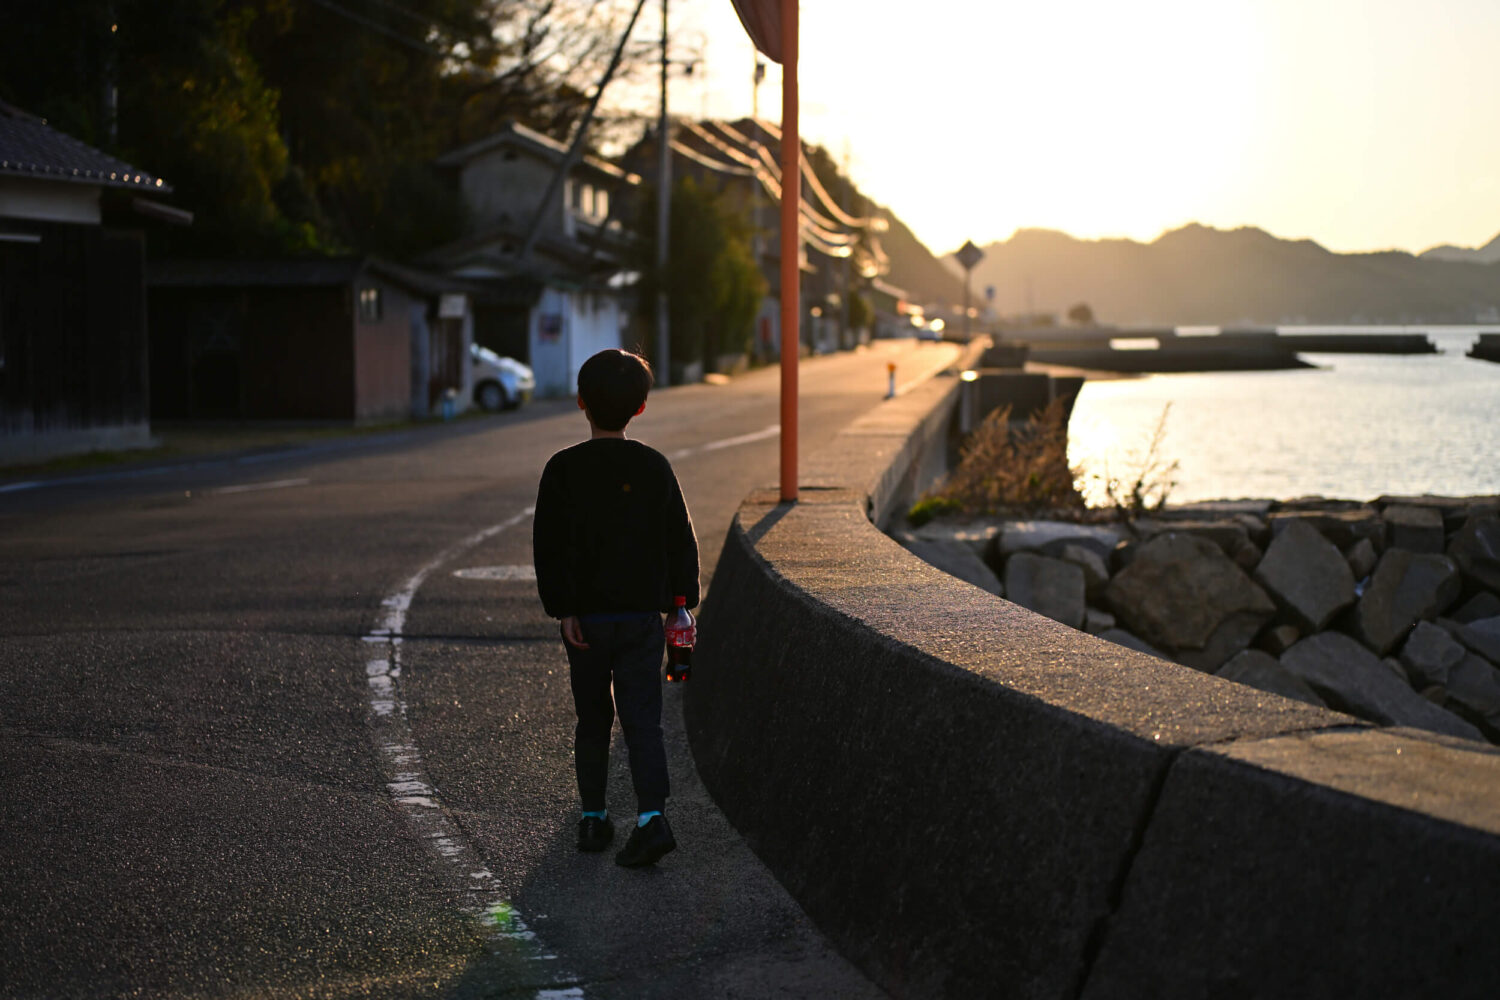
<point>612,532</point>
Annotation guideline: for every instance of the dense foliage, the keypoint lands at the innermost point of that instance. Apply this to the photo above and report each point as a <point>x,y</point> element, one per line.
<point>714,289</point>
<point>305,125</point>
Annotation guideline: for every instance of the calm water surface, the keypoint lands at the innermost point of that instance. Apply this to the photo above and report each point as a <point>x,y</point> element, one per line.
<point>1356,427</point>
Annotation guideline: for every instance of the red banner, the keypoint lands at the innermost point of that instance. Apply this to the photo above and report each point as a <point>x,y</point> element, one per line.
<point>762,21</point>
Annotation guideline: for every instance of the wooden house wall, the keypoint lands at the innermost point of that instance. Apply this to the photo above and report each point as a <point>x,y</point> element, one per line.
<point>72,331</point>
<point>252,353</point>
<point>382,357</point>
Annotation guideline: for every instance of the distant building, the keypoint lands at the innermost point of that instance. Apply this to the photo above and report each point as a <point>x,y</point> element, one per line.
<point>338,339</point>
<point>573,294</point>
<point>73,361</point>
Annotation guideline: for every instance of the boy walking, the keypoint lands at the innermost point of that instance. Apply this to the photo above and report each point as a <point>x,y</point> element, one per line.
<point>613,545</point>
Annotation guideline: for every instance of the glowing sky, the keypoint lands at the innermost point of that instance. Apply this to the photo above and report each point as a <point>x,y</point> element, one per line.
<point>1362,124</point>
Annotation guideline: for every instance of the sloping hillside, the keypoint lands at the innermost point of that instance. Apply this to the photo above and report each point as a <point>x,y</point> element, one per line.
<point>1199,275</point>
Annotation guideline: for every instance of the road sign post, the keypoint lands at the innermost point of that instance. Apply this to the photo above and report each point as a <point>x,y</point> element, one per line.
<point>968,256</point>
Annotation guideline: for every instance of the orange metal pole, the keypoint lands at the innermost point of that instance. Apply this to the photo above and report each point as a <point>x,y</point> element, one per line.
<point>791,244</point>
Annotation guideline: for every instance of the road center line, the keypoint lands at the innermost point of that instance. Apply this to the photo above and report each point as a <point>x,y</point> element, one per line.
<point>412,790</point>
<point>275,484</point>
<point>728,442</point>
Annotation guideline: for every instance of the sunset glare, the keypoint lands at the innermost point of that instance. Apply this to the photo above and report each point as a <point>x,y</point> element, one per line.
<point>1362,124</point>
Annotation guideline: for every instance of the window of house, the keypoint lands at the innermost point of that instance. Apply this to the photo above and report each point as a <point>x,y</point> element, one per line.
<point>586,201</point>
<point>601,202</point>
<point>369,305</point>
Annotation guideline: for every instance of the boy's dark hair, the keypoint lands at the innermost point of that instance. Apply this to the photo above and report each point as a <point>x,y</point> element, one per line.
<point>613,385</point>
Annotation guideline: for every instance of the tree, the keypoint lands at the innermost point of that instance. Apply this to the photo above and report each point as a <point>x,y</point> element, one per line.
<point>306,125</point>
<point>714,289</point>
<point>1081,314</point>
<point>861,314</point>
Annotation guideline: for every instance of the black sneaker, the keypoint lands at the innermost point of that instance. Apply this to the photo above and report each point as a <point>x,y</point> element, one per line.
<point>647,844</point>
<point>594,834</point>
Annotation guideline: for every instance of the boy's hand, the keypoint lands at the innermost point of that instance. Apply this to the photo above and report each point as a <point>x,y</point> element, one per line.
<point>572,631</point>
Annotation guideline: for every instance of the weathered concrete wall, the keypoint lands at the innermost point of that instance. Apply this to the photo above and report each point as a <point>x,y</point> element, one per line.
<point>973,800</point>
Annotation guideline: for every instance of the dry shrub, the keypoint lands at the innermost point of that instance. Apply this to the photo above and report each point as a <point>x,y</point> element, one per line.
<point>1014,468</point>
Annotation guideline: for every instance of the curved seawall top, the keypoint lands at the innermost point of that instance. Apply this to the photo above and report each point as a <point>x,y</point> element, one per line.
<point>975,801</point>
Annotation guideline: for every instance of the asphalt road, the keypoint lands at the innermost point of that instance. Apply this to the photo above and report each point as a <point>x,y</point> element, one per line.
<point>294,725</point>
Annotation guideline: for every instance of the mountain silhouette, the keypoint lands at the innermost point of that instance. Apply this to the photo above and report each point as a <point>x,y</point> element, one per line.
<point>1198,275</point>
<point>1487,254</point>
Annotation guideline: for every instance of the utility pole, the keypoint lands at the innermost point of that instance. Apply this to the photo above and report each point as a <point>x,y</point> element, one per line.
<point>845,338</point>
<point>663,221</point>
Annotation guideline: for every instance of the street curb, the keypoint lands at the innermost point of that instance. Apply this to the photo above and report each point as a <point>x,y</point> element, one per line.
<point>973,800</point>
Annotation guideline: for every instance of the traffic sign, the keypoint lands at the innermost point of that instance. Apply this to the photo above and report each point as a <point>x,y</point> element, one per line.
<point>968,255</point>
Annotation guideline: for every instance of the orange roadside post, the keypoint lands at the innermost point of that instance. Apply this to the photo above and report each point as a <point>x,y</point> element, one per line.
<point>772,26</point>
<point>791,247</point>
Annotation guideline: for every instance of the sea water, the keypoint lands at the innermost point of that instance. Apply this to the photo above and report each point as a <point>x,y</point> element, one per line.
<point>1356,426</point>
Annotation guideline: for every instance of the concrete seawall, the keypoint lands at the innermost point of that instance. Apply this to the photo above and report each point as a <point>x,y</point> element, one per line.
<point>972,800</point>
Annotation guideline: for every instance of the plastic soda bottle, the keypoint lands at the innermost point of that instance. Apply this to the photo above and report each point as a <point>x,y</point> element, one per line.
<point>681,634</point>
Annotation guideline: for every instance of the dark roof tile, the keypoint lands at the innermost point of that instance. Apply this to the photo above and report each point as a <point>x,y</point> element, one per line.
<point>31,148</point>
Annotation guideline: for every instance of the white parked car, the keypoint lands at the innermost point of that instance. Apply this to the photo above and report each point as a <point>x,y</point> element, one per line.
<point>500,383</point>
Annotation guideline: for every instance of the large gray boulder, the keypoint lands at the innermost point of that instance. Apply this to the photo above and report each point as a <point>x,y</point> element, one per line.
<point>1406,587</point>
<point>1476,550</point>
<point>1474,683</point>
<point>1483,637</point>
<point>1034,536</point>
<point>1047,586</point>
<point>1182,593</point>
<point>1265,673</point>
<point>1095,568</point>
<point>1361,558</point>
<point>1307,576</point>
<point>1417,529</point>
<point>1341,527</point>
<point>1229,535</point>
<point>1349,677</point>
<point>954,557</point>
<point>1482,605</point>
<point>1429,654</point>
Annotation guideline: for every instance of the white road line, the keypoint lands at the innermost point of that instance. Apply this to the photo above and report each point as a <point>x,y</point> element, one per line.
<point>729,442</point>
<point>17,487</point>
<point>406,778</point>
<point>275,484</point>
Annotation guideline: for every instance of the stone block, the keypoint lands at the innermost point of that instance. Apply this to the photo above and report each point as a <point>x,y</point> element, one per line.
<point>1474,683</point>
<point>1476,550</point>
<point>1278,638</point>
<point>1047,586</point>
<point>1306,576</point>
<point>1263,672</point>
<point>1361,558</point>
<point>1406,588</point>
<point>1095,569</point>
<point>1429,654</point>
<point>1035,536</point>
<point>1228,535</point>
<point>1416,529</point>
<point>1482,636</point>
<point>1182,594</point>
<point>1341,527</point>
<point>1482,605</point>
<point>1349,677</point>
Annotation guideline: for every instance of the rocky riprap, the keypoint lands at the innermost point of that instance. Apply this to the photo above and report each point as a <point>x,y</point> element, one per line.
<point>1388,610</point>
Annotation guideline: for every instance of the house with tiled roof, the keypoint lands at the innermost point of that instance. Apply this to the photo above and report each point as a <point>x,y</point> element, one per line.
<point>573,255</point>
<point>73,346</point>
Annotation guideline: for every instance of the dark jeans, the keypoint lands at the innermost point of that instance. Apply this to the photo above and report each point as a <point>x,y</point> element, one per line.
<point>629,653</point>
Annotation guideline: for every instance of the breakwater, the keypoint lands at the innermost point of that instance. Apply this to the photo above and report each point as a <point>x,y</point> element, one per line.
<point>1166,349</point>
<point>972,799</point>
